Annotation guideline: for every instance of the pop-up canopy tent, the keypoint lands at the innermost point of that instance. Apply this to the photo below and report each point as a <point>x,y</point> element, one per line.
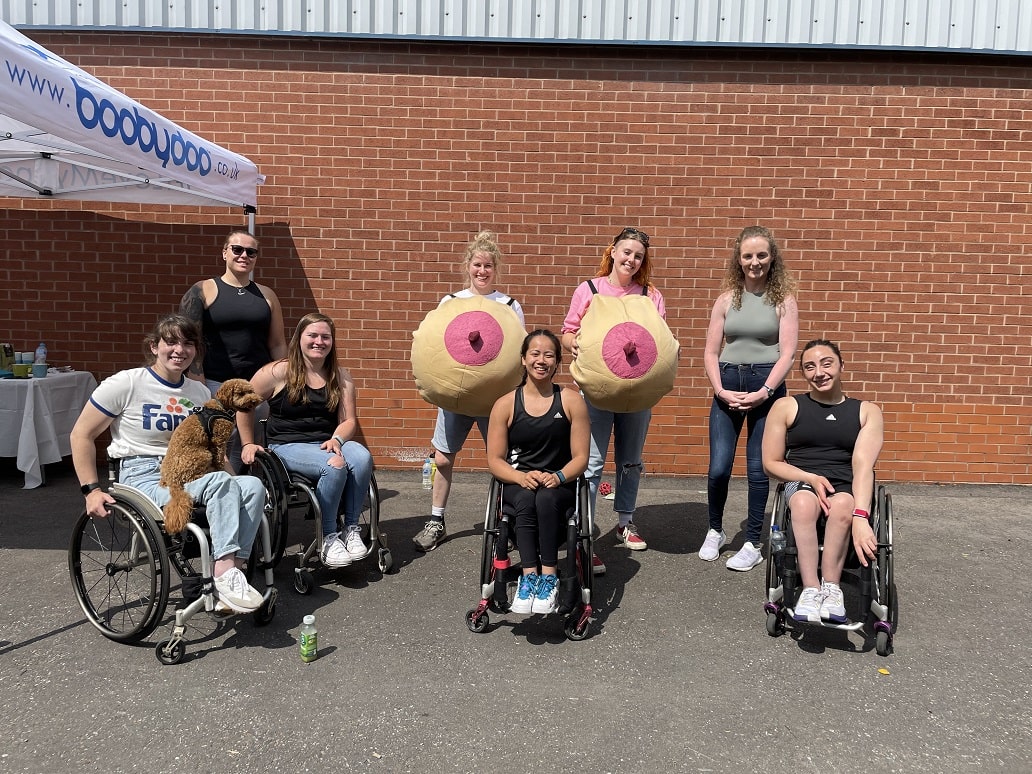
<point>66,135</point>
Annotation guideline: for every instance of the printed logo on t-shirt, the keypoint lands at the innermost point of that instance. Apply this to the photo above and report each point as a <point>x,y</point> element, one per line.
<point>830,418</point>
<point>168,417</point>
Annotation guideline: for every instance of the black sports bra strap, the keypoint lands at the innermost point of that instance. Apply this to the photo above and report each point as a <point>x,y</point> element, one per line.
<point>594,290</point>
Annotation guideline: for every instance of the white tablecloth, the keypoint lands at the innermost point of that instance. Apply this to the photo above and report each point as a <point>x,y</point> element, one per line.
<point>36,418</point>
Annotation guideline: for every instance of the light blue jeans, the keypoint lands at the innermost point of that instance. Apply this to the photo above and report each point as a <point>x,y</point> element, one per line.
<point>233,504</point>
<point>628,431</point>
<point>350,481</point>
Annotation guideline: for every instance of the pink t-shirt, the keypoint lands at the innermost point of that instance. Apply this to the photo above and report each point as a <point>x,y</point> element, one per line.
<point>582,299</point>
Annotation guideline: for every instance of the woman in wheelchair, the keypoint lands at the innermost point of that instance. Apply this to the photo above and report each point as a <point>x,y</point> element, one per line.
<point>825,445</point>
<point>142,406</point>
<point>312,422</point>
<point>537,446</point>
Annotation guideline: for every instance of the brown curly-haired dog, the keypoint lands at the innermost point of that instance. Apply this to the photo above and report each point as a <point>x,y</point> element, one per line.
<point>198,446</point>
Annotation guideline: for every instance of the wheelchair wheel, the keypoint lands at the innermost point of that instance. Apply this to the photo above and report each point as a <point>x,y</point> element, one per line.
<point>886,574</point>
<point>119,568</point>
<point>277,486</point>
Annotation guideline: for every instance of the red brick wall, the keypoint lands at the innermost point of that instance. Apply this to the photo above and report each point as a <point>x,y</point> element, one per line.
<point>899,186</point>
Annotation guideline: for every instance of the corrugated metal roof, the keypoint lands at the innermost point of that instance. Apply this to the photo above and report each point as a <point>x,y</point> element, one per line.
<point>988,26</point>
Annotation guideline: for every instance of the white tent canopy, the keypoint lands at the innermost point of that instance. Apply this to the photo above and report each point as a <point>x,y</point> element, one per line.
<point>66,135</point>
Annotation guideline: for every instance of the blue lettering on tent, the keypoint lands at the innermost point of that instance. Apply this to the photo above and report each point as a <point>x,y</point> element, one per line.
<point>135,129</point>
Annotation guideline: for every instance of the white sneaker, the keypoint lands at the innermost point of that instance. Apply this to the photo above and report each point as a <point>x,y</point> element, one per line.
<point>236,593</point>
<point>833,606</point>
<point>353,544</point>
<point>334,553</point>
<point>712,544</point>
<point>748,556</point>
<point>808,608</point>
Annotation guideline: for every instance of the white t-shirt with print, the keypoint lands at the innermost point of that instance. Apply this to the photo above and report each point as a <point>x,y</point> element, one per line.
<point>494,295</point>
<point>146,409</point>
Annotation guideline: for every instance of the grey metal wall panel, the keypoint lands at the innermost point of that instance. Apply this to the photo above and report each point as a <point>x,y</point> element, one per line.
<point>967,25</point>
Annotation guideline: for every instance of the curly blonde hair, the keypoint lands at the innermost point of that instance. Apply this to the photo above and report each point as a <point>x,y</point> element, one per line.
<point>780,284</point>
<point>484,242</point>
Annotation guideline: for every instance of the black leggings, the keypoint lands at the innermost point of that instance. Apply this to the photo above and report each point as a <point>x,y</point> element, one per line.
<point>540,516</point>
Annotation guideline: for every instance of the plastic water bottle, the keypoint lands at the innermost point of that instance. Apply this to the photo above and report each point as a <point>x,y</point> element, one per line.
<point>777,540</point>
<point>41,353</point>
<point>309,639</point>
<point>428,473</point>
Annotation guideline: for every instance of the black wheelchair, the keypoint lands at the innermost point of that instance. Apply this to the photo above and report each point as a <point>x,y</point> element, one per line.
<point>293,492</point>
<point>499,576</point>
<point>874,609</point>
<point>121,570</point>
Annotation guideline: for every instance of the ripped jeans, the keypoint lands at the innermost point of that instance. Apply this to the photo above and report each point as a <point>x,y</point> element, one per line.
<point>628,431</point>
<point>351,480</point>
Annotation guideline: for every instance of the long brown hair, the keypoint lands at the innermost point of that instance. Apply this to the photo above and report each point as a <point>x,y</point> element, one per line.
<point>605,268</point>
<point>296,392</point>
<point>780,284</point>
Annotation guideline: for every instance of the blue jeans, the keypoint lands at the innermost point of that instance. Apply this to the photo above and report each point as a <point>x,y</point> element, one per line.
<point>233,503</point>
<point>725,425</point>
<point>350,481</point>
<point>629,431</point>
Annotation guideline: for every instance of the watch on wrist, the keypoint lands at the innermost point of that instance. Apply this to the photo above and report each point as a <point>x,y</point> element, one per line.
<point>87,488</point>
<point>770,392</point>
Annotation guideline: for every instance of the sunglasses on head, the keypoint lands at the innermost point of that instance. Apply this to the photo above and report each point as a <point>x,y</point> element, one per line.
<point>240,249</point>
<point>633,233</point>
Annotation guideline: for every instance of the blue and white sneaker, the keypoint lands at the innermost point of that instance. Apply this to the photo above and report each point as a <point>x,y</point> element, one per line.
<point>808,608</point>
<point>833,607</point>
<point>524,601</point>
<point>547,591</point>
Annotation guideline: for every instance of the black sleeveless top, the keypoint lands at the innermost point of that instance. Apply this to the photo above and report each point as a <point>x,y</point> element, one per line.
<point>300,422</point>
<point>822,437</point>
<point>539,443</point>
<point>236,332</point>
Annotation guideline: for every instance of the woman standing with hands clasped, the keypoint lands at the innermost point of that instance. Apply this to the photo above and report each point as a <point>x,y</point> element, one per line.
<point>756,319</point>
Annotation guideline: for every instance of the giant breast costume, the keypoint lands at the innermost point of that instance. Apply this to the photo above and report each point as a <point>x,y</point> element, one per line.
<point>466,355</point>
<point>627,359</point>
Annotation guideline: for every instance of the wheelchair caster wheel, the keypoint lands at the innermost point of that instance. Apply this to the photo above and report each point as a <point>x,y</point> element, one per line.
<point>572,630</point>
<point>882,643</point>
<point>169,652</point>
<point>303,582</point>
<point>385,561</point>
<point>477,623</point>
<point>264,614</point>
<point>775,625</point>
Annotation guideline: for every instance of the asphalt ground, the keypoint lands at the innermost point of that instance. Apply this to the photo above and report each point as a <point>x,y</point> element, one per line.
<point>677,673</point>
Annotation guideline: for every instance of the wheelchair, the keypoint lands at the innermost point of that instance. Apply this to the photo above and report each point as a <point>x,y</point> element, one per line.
<point>121,570</point>
<point>876,611</point>
<point>499,576</point>
<point>292,491</point>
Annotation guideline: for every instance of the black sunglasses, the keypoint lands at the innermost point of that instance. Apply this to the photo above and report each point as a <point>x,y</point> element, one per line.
<point>633,233</point>
<point>240,249</point>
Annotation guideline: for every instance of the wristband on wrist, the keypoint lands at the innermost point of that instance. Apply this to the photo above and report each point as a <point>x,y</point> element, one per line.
<point>717,394</point>
<point>860,513</point>
<point>560,476</point>
<point>338,439</point>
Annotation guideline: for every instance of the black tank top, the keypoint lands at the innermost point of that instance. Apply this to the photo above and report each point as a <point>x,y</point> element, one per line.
<point>822,437</point>
<point>236,332</point>
<point>539,443</point>
<point>300,422</point>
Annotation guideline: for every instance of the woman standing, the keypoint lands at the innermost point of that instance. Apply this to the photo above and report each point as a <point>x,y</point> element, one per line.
<point>624,271</point>
<point>312,421</point>
<point>756,319</point>
<point>241,322</point>
<point>537,445</point>
<point>481,264</point>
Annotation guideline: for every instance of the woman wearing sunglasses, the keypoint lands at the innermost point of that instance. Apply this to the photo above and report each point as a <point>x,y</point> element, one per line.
<point>241,322</point>
<point>624,271</point>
